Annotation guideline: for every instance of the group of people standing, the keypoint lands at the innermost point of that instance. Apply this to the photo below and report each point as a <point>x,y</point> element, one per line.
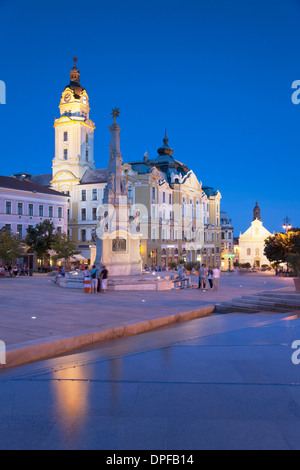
<point>209,277</point>
<point>95,280</point>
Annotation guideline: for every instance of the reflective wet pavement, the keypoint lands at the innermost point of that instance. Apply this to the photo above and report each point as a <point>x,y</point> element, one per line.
<point>221,382</point>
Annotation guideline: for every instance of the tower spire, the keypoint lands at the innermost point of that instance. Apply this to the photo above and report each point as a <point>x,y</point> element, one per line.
<point>75,74</point>
<point>256,212</point>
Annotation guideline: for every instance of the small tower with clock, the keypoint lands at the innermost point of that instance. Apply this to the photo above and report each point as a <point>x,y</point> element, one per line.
<point>74,133</point>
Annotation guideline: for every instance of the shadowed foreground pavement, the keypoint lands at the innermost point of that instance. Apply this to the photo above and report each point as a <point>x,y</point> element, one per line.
<point>220,382</point>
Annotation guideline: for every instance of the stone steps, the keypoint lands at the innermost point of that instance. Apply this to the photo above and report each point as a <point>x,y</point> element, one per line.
<point>275,303</point>
<point>263,301</point>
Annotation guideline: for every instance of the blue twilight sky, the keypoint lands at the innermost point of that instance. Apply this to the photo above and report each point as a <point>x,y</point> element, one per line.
<point>216,73</point>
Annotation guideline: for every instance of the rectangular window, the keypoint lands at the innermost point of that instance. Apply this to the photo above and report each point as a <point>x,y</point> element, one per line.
<point>58,229</point>
<point>59,212</point>
<point>30,209</point>
<point>65,137</point>
<point>170,198</point>
<point>164,197</point>
<point>50,211</point>
<point>20,231</point>
<point>8,227</point>
<point>8,207</point>
<point>65,154</point>
<point>83,195</point>
<point>83,235</point>
<point>87,155</point>
<point>41,211</point>
<point>83,214</point>
<point>20,208</point>
<point>95,195</point>
<point>86,138</point>
<point>94,213</point>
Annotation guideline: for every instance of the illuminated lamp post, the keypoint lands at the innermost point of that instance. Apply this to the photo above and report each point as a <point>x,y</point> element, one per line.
<point>287,224</point>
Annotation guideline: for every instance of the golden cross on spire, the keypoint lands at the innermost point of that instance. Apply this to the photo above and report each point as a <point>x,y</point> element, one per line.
<point>115,113</point>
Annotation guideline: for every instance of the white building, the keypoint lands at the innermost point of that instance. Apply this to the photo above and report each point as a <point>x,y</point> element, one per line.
<point>251,243</point>
<point>24,204</point>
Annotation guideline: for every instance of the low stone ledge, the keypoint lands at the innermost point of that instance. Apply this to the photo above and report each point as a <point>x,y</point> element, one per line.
<point>25,353</point>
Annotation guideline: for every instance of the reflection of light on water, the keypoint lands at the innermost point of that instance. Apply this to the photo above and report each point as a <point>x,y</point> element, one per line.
<point>115,373</point>
<point>72,399</point>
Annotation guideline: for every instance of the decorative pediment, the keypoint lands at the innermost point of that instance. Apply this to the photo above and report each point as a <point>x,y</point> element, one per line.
<point>64,176</point>
<point>156,173</point>
<point>63,119</point>
<point>127,170</point>
<point>191,181</point>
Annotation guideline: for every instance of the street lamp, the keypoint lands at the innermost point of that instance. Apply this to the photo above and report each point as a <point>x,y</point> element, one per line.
<point>287,224</point>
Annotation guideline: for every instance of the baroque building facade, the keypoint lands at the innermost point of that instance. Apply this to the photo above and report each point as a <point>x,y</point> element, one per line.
<point>178,217</point>
<point>227,243</point>
<point>251,243</point>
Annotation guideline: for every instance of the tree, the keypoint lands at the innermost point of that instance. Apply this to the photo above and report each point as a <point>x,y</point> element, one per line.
<point>40,239</point>
<point>279,246</point>
<point>64,247</point>
<point>293,260</point>
<point>11,246</point>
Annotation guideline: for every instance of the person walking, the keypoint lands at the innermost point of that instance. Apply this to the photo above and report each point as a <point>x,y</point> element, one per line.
<point>86,281</point>
<point>216,274</point>
<point>202,277</point>
<point>104,279</point>
<point>94,279</point>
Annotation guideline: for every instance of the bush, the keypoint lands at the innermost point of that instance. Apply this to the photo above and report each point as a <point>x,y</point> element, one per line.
<point>189,266</point>
<point>246,265</point>
<point>172,265</point>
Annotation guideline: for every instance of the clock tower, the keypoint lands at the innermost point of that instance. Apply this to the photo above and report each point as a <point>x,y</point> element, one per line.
<point>74,135</point>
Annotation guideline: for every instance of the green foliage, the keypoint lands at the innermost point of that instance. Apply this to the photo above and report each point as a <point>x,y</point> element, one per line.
<point>280,245</point>
<point>64,246</point>
<point>172,265</point>
<point>11,246</point>
<point>189,266</point>
<point>293,260</point>
<point>246,265</point>
<point>40,238</point>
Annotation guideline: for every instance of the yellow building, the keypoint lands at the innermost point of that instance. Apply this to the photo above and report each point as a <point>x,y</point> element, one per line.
<point>178,218</point>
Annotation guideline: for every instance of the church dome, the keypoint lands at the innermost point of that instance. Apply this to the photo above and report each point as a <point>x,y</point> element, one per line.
<point>165,149</point>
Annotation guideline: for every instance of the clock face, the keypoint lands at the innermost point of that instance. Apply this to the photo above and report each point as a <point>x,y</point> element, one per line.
<point>67,97</point>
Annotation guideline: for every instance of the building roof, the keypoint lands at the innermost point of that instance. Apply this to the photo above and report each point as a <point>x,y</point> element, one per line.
<point>95,176</point>
<point>209,191</point>
<point>11,182</point>
<point>44,180</point>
